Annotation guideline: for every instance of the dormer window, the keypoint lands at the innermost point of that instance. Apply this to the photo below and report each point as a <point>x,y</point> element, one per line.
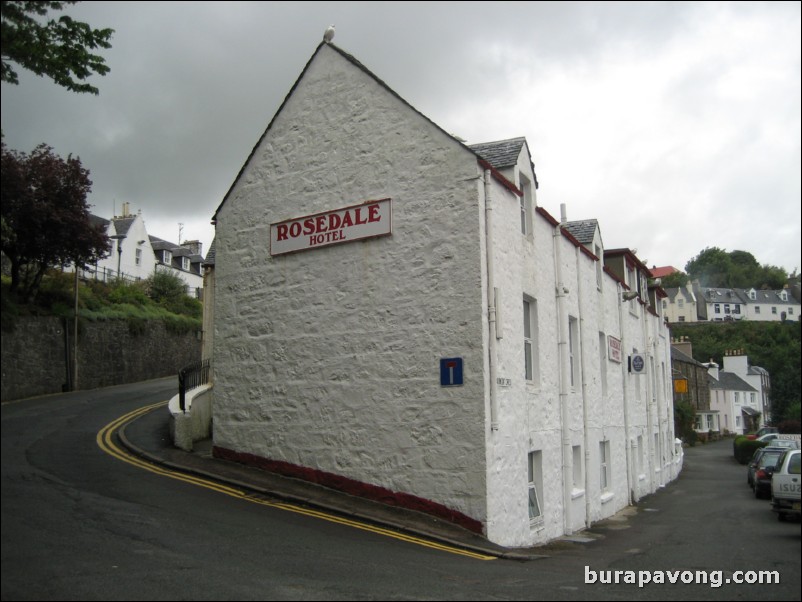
<point>752,295</point>
<point>167,257</point>
<point>185,263</point>
<point>784,296</point>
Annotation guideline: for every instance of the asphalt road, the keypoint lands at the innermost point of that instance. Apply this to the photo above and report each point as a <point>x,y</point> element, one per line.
<point>80,524</point>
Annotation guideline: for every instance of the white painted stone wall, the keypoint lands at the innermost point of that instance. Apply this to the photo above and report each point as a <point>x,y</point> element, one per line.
<point>329,358</point>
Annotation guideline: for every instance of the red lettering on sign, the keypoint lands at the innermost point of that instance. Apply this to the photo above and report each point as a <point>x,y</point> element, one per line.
<point>373,214</point>
<point>281,232</point>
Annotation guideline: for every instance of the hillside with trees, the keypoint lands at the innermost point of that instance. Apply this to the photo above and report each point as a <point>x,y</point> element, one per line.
<point>774,346</point>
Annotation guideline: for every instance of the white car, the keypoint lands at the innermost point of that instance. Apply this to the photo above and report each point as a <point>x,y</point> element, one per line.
<point>786,485</point>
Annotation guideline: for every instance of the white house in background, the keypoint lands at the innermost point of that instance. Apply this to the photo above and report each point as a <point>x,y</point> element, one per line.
<point>135,255</point>
<point>735,400</point>
<point>680,304</point>
<point>396,317</point>
<point>131,252</point>
<point>737,362</point>
<point>770,305</point>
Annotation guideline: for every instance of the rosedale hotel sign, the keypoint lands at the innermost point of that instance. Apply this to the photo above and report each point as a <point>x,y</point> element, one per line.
<point>358,222</point>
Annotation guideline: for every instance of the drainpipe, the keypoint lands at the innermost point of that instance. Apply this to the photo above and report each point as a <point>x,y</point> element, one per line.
<point>582,339</point>
<point>562,345</point>
<point>491,302</point>
<point>631,496</point>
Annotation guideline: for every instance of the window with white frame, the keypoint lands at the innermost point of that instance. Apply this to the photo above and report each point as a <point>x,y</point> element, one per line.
<point>138,257</point>
<point>757,309</point>
<point>604,465</point>
<point>535,485</point>
<point>578,479</point>
<point>531,372</point>
<point>526,204</point>
<point>738,421</point>
<point>573,350</point>
<point>599,266</point>
<point>717,308</point>
<point>185,263</point>
<point>167,257</point>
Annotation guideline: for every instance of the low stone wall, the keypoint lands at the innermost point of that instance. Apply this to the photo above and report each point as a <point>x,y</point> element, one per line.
<point>37,355</point>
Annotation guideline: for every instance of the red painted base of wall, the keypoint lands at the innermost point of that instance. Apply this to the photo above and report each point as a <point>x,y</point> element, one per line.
<point>351,487</point>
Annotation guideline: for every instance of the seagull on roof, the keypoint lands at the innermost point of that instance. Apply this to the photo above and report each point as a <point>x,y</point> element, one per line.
<point>329,34</point>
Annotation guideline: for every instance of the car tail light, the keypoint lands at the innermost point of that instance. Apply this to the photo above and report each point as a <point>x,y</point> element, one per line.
<point>761,474</point>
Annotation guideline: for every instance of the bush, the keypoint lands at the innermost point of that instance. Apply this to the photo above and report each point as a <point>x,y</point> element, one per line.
<point>746,449</point>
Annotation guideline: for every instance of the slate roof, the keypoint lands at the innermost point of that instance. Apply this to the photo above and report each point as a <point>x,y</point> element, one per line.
<point>123,224</point>
<point>729,381</point>
<point>679,356</point>
<point>583,230</point>
<point>210,256</point>
<point>500,154</point>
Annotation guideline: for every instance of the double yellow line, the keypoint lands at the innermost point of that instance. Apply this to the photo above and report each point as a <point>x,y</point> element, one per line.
<point>106,442</point>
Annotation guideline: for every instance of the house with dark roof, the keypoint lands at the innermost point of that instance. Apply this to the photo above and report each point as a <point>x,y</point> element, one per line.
<point>680,304</point>
<point>396,317</point>
<point>735,400</point>
<point>135,255</point>
<point>691,385</point>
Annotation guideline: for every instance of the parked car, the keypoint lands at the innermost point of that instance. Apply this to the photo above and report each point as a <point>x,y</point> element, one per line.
<point>751,467</point>
<point>785,443</point>
<point>786,487</point>
<point>765,430</point>
<point>764,468</point>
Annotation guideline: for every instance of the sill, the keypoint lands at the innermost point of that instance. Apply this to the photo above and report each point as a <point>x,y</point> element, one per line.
<point>577,493</point>
<point>536,523</point>
<point>607,496</point>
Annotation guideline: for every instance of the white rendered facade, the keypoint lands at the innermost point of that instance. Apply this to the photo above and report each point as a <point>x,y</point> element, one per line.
<point>327,360</point>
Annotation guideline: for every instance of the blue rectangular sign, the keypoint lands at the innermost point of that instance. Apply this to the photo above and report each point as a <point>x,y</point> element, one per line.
<point>451,372</point>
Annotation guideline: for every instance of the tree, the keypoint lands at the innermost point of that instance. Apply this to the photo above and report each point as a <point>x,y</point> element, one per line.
<point>45,216</point>
<point>59,49</point>
<point>735,269</point>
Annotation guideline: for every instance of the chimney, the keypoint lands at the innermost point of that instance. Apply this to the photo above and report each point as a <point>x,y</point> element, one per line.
<point>195,246</point>
<point>126,207</point>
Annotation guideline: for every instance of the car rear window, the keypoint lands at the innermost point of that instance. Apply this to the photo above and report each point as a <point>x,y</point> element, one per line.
<point>794,464</point>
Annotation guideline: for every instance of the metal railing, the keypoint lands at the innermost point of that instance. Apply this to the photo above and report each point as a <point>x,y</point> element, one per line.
<point>191,377</point>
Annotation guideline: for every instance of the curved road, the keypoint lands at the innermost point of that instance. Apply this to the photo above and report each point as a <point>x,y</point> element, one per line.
<point>77,523</point>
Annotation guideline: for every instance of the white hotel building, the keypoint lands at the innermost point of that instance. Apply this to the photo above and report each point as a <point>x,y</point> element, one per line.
<point>395,316</point>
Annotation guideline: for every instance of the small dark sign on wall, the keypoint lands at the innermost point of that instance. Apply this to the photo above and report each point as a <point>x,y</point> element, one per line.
<point>451,372</point>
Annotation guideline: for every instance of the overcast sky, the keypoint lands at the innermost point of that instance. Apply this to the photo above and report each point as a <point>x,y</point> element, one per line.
<point>676,125</point>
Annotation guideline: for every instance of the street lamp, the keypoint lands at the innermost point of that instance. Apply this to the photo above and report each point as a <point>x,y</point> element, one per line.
<point>119,238</point>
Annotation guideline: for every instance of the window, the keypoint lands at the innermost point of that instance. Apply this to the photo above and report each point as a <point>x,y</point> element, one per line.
<point>757,309</point>
<point>578,481</point>
<point>138,259</point>
<point>535,485</point>
<point>681,319</point>
<point>737,397</point>
<point>599,266</point>
<point>790,311</point>
<point>774,310</point>
<point>738,421</point>
<point>736,309</point>
<point>530,341</point>
<point>717,308</point>
<point>526,204</point>
<point>710,422</point>
<point>726,308</point>
<point>185,263</point>
<point>681,303</point>
<point>604,465</point>
<point>167,257</point>
<point>573,350</point>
